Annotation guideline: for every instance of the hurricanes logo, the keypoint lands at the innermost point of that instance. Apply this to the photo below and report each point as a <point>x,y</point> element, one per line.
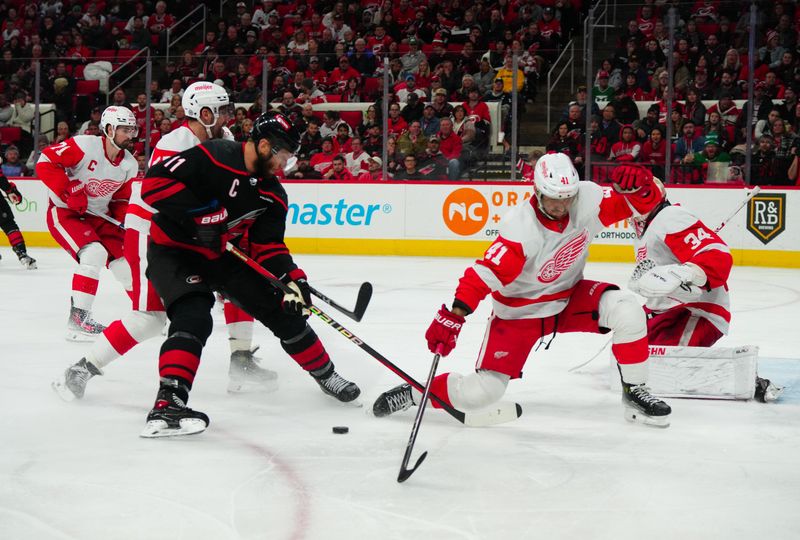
<point>465,211</point>
<point>101,188</point>
<point>564,258</point>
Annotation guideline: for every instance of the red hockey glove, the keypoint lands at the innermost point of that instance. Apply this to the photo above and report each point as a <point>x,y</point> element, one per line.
<point>75,197</point>
<point>298,302</point>
<point>444,331</point>
<point>211,231</point>
<point>631,178</point>
<point>13,193</point>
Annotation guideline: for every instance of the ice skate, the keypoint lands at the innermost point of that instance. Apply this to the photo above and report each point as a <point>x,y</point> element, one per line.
<point>170,416</point>
<point>337,386</point>
<point>24,259</point>
<point>245,375</point>
<point>81,326</point>
<point>395,400</point>
<point>766,391</point>
<point>72,384</point>
<point>641,407</point>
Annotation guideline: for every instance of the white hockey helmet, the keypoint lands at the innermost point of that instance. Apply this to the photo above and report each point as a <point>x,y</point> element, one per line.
<point>555,177</point>
<point>116,116</point>
<point>204,94</point>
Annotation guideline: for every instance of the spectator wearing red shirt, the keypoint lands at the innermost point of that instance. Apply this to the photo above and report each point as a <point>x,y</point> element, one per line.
<point>342,141</point>
<point>396,123</point>
<point>375,172</point>
<point>323,161</point>
<point>140,112</point>
<point>404,13</point>
<point>451,146</point>
<point>474,106</point>
<point>340,75</point>
<point>79,52</point>
<point>654,152</point>
<point>338,171</point>
<point>549,26</point>
<point>627,148</point>
<point>379,41</point>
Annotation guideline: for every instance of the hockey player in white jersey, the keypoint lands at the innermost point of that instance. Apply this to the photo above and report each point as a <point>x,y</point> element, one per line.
<point>89,176</point>
<point>534,273</point>
<point>208,108</point>
<point>682,271</point>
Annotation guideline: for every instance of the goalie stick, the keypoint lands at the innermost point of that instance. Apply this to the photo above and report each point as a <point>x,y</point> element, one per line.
<point>498,414</point>
<point>405,472</point>
<point>647,264</point>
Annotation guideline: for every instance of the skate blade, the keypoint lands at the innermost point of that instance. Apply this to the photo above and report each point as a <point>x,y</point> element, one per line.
<point>81,337</point>
<point>60,388</point>
<point>159,428</point>
<point>246,387</point>
<point>636,416</point>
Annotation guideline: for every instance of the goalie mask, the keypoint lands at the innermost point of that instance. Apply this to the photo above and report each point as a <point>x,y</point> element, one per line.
<point>554,177</point>
<point>116,117</point>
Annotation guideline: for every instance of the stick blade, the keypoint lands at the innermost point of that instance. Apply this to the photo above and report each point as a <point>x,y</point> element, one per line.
<point>405,474</point>
<point>362,301</point>
<point>499,413</point>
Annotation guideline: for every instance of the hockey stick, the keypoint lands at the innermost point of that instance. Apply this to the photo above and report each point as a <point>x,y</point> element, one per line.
<point>746,200</point>
<point>721,226</point>
<point>107,218</point>
<point>362,301</point>
<point>503,412</point>
<point>405,472</point>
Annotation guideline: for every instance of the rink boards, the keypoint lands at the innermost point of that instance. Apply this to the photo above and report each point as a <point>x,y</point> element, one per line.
<point>460,219</point>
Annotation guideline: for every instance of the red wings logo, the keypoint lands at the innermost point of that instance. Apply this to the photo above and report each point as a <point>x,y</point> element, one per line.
<point>101,188</point>
<point>564,258</point>
<point>641,253</point>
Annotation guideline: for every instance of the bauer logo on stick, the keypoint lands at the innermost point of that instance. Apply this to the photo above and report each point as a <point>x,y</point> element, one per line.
<point>766,216</point>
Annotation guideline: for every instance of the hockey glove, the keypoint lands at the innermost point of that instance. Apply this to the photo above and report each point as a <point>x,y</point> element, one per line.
<point>13,193</point>
<point>297,303</point>
<point>631,178</point>
<point>75,197</point>
<point>444,331</point>
<point>211,231</point>
<point>681,282</point>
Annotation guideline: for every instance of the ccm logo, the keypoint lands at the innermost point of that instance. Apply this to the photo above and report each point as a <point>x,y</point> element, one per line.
<point>219,217</point>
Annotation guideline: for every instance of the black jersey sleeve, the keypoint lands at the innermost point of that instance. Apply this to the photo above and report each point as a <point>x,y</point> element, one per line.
<point>266,235</point>
<point>5,185</point>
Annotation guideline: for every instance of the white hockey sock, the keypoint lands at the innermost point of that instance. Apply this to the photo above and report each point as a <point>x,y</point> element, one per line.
<point>474,391</point>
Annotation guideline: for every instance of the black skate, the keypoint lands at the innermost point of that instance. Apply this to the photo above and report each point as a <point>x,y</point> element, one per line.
<point>644,408</point>
<point>170,415</point>
<point>395,400</point>
<point>766,391</point>
<point>81,326</point>
<point>25,260</point>
<point>337,386</point>
<point>245,375</point>
<point>72,383</point>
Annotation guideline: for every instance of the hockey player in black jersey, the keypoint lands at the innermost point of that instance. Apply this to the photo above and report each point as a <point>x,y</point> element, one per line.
<point>9,225</point>
<point>206,196</point>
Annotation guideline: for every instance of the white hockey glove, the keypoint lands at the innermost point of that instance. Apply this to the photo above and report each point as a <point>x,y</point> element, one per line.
<point>681,282</point>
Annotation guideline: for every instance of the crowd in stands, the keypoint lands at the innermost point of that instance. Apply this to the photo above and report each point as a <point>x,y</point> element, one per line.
<point>708,129</point>
<point>447,58</point>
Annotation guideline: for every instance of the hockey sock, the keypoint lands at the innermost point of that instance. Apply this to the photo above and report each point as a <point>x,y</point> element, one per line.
<point>124,334</point>
<point>632,360</point>
<point>16,240</point>
<point>306,349</point>
<point>180,357</point>
<point>91,258</point>
<point>240,327</point>
<point>439,386</point>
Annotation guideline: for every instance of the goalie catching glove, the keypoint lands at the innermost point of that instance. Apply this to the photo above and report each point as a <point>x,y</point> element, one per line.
<point>683,282</point>
<point>296,302</point>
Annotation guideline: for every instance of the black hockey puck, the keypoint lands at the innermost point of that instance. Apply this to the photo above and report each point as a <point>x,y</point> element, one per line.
<point>341,429</point>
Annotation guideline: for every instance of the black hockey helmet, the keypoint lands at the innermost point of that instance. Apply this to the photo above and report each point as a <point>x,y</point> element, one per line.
<point>278,130</point>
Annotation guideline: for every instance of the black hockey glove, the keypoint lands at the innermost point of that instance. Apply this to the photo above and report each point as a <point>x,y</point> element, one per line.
<point>297,303</point>
<point>211,231</point>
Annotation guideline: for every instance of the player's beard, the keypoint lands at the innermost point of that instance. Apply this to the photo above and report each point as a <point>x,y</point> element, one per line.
<point>265,165</point>
<point>125,145</point>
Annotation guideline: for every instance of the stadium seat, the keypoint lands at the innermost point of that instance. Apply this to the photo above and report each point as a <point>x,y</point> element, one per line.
<point>77,71</point>
<point>371,85</point>
<point>10,135</point>
<point>333,98</point>
<point>353,118</point>
<point>86,88</point>
<point>107,55</point>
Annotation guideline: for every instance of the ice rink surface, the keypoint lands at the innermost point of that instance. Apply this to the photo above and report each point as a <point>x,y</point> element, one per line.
<point>269,466</point>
